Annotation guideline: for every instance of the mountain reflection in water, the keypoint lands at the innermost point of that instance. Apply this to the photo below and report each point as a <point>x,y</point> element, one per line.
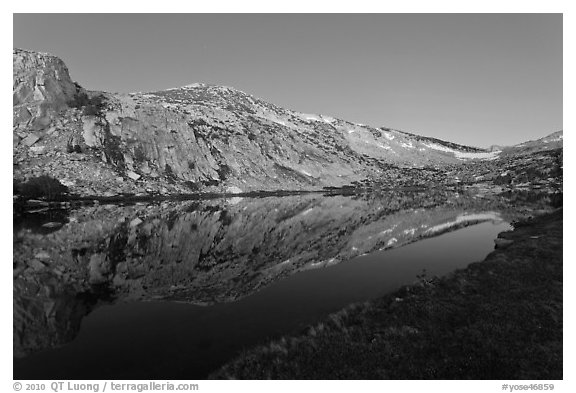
<point>233,264</point>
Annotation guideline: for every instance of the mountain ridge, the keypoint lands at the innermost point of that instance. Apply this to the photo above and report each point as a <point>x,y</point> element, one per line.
<point>203,137</point>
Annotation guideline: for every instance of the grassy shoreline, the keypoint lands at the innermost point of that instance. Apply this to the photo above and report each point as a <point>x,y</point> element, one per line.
<point>497,319</point>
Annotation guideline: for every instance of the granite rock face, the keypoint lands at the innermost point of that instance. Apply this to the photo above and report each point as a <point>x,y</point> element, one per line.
<point>42,86</point>
<point>202,138</point>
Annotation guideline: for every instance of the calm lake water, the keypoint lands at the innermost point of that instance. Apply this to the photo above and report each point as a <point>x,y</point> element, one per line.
<point>199,302</point>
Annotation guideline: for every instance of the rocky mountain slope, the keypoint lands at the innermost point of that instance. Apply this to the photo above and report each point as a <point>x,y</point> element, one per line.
<point>202,138</point>
<point>550,142</point>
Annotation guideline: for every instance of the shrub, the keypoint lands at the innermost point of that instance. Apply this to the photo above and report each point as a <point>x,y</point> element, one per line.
<point>80,100</point>
<point>92,106</point>
<point>192,185</point>
<point>224,171</point>
<point>41,187</point>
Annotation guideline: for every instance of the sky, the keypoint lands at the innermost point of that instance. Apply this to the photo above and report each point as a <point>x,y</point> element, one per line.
<point>474,79</point>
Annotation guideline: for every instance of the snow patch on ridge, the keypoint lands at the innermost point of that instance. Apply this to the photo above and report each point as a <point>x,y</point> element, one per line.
<point>555,139</point>
<point>491,155</point>
<point>314,117</point>
<point>391,242</point>
<point>463,218</point>
<point>465,155</point>
<point>388,136</point>
<point>194,85</point>
<point>436,146</point>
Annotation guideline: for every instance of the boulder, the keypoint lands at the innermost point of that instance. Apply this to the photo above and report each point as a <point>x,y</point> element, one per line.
<point>92,131</point>
<point>35,264</point>
<point>42,255</point>
<point>133,175</point>
<point>135,222</point>
<point>38,149</point>
<point>30,140</point>
<point>97,269</point>
<point>233,190</point>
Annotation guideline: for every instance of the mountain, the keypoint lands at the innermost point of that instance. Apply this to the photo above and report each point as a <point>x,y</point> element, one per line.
<point>202,138</point>
<point>549,142</point>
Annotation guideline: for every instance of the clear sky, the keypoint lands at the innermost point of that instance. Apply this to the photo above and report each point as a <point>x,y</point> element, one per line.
<point>476,79</point>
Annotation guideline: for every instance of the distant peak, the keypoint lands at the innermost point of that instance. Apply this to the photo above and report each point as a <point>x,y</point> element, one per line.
<point>201,86</point>
<point>558,134</point>
<point>194,85</point>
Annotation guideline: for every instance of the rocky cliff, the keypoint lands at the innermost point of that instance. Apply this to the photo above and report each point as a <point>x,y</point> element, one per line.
<point>40,78</point>
<point>201,138</point>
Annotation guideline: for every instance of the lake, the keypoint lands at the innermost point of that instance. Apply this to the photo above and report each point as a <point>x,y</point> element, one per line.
<point>173,290</point>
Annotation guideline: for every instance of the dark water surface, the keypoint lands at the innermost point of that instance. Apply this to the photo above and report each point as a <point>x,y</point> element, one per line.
<point>170,340</point>
<point>173,290</point>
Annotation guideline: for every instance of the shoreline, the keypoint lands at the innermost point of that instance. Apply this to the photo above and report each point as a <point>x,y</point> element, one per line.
<point>497,319</point>
<point>71,200</point>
